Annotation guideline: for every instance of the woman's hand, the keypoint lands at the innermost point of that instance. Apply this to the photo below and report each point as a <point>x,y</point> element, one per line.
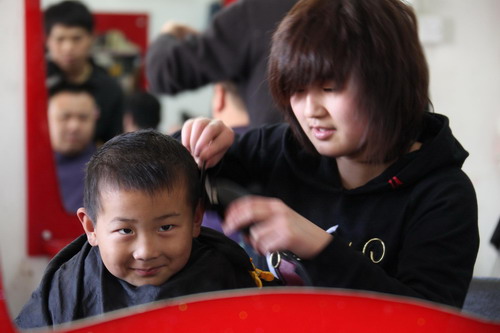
<point>207,139</point>
<point>275,227</point>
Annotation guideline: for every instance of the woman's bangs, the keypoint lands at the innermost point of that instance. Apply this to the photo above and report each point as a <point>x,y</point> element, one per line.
<point>307,68</point>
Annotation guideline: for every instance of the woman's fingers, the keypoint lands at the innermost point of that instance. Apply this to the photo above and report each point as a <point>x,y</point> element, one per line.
<point>274,227</point>
<point>186,134</point>
<point>214,141</point>
<point>206,139</point>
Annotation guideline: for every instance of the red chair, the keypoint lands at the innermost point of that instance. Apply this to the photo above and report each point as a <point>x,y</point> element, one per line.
<point>6,325</point>
<point>277,310</point>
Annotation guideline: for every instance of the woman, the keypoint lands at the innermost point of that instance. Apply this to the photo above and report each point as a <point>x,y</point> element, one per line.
<point>364,184</point>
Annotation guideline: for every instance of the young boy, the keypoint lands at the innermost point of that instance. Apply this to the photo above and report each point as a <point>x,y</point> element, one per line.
<point>143,240</point>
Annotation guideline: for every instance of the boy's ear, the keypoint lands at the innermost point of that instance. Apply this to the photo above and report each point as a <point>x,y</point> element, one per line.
<point>88,226</point>
<point>197,219</point>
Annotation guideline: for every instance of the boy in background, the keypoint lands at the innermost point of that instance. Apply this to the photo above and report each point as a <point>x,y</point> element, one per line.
<point>143,237</point>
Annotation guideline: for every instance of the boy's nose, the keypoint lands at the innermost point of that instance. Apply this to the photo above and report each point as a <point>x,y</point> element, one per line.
<point>145,249</point>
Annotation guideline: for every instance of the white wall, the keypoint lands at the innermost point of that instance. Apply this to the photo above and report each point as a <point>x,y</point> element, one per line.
<point>465,85</point>
<point>12,142</point>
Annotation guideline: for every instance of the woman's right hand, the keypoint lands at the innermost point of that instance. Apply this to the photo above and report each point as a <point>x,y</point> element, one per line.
<point>207,140</point>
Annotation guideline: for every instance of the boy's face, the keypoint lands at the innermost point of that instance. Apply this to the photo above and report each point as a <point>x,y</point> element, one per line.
<point>143,239</point>
<point>69,47</point>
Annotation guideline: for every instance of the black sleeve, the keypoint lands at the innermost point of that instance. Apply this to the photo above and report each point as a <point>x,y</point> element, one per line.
<point>217,54</point>
<point>251,158</point>
<point>437,256</point>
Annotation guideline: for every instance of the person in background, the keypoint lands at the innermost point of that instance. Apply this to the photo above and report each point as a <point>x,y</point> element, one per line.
<point>235,47</point>
<point>363,184</point>
<point>69,28</point>
<point>142,111</point>
<point>228,107</point>
<point>72,116</point>
<point>143,241</point>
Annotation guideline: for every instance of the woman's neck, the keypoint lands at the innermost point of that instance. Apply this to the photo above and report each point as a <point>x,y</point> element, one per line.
<point>354,173</point>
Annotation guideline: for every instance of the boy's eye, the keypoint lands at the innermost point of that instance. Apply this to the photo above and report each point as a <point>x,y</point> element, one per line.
<point>166,227</point>
<point>125,231</point>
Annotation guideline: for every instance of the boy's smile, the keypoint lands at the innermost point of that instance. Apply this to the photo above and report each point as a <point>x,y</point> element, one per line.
<point>142,238</point>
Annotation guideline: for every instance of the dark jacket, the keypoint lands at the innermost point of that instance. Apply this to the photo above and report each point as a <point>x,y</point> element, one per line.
<point>235,47</point>
<point>77,285</point>
<point>410,231</point>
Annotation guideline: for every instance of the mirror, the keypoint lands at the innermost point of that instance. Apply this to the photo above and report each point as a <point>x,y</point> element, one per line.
<point>50,225</point>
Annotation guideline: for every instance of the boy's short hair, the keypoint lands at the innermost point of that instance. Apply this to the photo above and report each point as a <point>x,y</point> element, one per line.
<point>71,88</point>
<point>144,160</point>
<point>145,109</point>
<point>70,14</point>
<point>376,44</point>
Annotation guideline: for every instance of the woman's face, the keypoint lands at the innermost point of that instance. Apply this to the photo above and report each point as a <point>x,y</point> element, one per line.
<point>330,119</point>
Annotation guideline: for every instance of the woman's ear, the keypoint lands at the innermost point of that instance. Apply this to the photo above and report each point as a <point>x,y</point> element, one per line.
<point>88,226</point>
<point>197,219</point>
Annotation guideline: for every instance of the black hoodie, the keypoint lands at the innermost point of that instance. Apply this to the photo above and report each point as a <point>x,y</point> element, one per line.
<point>410,231</point>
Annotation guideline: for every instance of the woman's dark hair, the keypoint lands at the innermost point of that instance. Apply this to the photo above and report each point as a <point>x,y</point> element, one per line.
<point>374,43</point>
<point>145,160</point>
<point>70,14</point>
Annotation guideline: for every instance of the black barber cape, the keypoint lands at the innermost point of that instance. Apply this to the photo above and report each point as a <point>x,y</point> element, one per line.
<point>76,283</point>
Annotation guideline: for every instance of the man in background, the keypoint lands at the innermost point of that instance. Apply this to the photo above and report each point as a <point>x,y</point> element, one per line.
<point>234,47</point>
<point>69,29</point>
<point>72,117</point>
